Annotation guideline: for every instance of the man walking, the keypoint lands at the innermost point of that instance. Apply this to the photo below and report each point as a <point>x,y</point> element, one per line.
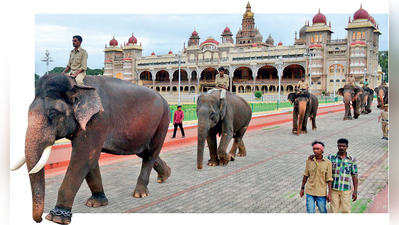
<point>77,61</point>
<point>384,122</point>
<point>318,172</point>
<point>178,118</point>
<point>344,167</point>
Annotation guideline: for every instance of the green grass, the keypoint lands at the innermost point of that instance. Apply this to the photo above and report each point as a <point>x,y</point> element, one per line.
<point>290,195</point>
<point>360,205</point>
<point>269,128</point>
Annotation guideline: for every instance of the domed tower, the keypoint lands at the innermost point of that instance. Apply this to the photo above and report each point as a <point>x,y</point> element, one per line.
<point>194,39</point>
<point>302,34</point>
<point>319,32</point>
<point>258,37</point>
<point>270,40</point>
<point>112,56</point>
<point>227,36</point>
<point>363,42</point>
<point>247,32</point>
<point>131,51</point>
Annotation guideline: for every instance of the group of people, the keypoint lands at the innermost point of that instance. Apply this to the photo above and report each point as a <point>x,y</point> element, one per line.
<point>334,173</point>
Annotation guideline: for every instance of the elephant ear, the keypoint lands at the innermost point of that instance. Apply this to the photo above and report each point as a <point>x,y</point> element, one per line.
<point>341,91</point>
<point>376,90</point>
<point>291,97</point>
<point>86,103</point>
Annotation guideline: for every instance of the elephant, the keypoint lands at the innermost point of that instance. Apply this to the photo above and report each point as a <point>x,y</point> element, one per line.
<point>382,96</point>
<point>305,106</point>
<point>104,115</point>
<point>368,95</point>
<point>352,95</point>
<point>229,118</point>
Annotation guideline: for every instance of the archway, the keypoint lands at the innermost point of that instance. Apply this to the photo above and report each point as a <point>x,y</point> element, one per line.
<point>162,76</point>
<point>267,73</point>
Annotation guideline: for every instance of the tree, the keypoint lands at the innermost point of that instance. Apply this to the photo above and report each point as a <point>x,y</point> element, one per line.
<point>383,61</point>
<point>94,72</point>
<point>36,78</point>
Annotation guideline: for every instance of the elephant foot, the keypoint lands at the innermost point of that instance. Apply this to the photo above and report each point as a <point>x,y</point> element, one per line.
<point>60,215</point>
<point>97,200</point>
<point>163,177</point>
<point>213,162</point>
<point>224,159</point>
<point>141,192</point>
<point>241,153</point>
<point>304,132</point>
<point>314,128</point>
<point>163,171</point>
<point>294,131</point>
<point>232,156</point>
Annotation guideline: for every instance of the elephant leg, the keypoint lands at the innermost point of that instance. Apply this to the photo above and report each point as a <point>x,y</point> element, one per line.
<point>241,149</point>
<point>212,145</point>
<point>84,160</point>
<point>141,190</point>
<point>227,135</point>
<point>93,179</point>
<point>162,169</point>
<point>295,121</point>
<point>233,150</point>
<point>313,119</point>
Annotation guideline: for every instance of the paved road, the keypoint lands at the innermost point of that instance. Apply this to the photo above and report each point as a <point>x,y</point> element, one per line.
<point>267,180</point>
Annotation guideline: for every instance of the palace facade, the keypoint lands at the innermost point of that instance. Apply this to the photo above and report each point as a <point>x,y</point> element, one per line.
<point>254,65</point>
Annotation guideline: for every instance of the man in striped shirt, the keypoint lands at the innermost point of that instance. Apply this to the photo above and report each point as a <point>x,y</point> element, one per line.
<point>344,167</point>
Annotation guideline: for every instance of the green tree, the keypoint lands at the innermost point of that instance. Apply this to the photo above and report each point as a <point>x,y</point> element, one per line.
<point>36,78</point>
<point>93,72</point>
<point>383,61</point>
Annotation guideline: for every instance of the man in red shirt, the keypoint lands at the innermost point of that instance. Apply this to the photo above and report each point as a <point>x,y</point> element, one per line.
<point>178,121</point>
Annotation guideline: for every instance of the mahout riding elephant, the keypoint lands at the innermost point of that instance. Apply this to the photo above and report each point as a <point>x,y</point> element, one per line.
<point>229,118</point>
<point>305,106</point>
<point>382,96</point>
<point>368,95</point>
<point>108,115</point>
<point>352,96</point>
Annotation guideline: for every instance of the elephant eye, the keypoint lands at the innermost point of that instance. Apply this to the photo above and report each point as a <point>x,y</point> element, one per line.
<point>52,114</point>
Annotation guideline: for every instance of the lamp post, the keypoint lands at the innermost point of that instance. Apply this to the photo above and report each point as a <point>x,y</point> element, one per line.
<point>47,59</point>
<point>365,70</point>
<point>383,76</point>
<point>279,65</point>
<point>310,54</point>
<point>335,76</point>
<point>375,78</point>
<point>179,76</point>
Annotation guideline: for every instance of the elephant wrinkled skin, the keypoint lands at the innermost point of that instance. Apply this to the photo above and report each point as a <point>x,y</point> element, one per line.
<point>382,96</point>
<point>108,115</point>
<point>368,95</point>
<point>229,118</point>
<point>305,106</point>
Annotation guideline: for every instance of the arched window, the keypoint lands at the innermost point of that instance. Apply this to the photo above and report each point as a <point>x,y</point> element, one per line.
<point>354,36</point>
<point>321,39</point>
<point>359,35</point>
<point>331,80</point>
<point>311,40</point>
<point>364,35</point>
<point>316,39</point>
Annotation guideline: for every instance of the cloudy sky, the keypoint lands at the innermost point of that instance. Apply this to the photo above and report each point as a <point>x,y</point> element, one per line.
<point>162,29</point>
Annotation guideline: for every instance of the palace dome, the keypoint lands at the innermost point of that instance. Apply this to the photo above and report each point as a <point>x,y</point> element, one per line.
<point>194,33</point>
<point>132,40</point>
<point>113,42</point>
<point>226,30</point>
<point>153,53</point>
<point>280,43</point>
<point>170,52</point>
<point>361,14</point>
<point>302,31</point>
<point>270,40</point>
<point>210,40</point>
<point>319,18</point>
<point>258,38</point>
<point>248,14</point>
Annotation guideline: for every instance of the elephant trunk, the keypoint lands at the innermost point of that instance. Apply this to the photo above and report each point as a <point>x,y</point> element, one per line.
<point>38,139</point>
<point>302,109</point>
<point>203,129</point>
<point>347,102</point>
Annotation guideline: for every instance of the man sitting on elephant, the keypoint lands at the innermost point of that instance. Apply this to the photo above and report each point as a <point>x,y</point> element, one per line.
<point>222,84</point>
<point>351,80</point>
<point>302,84</point>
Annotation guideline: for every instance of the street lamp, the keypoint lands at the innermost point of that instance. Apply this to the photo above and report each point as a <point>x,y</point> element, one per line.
<point>279,65</point>
<point>335,75</point>
<point>310,54</point>
<point>383,76</point>
<point>47,59</point>
<point>375,78</point>
<point>179,75</point>
<point>365,70</point>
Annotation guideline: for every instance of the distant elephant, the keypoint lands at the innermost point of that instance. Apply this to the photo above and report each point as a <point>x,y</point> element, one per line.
<point>352,96</point>
<point>305,106</point>
<point>229,118</point>
<point>368,95</point>
<point>382,96</point>
<point>108,115</point>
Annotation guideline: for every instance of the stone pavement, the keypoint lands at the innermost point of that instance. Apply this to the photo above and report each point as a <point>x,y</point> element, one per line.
<point>267,180</point>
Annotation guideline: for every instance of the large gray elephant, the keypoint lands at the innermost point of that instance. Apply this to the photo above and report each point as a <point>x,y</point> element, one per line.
<point>305,106</point>
<point>382,96</point>
<point>108,115</point>
<point>229,119</point>
<point>352,96</point>
<point>368,95</point>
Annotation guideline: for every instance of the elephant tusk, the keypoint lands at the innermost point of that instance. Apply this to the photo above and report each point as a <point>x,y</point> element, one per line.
<point>42,161</point>
<point>20,163</point>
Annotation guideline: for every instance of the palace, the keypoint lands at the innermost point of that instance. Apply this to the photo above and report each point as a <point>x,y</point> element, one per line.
<point>254,65</point>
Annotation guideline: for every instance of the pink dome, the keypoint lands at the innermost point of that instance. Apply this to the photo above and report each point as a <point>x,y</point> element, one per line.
<point>254,45</point>
<point>153,53</point>
<point>280,43</point>
<point>113,42</point>
<point>132,40</point>
<point>361,14</point>
<point>170,52</point>
<point>194,33</point>
<point>319,18</point>
<point>226,30</point>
